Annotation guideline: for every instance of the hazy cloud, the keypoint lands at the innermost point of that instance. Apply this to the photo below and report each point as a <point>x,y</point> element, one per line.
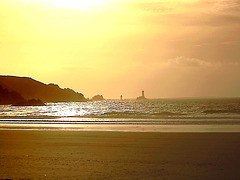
<point>182,61</point>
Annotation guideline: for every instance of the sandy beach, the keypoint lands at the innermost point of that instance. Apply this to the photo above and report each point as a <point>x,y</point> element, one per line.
<point>34,154</point>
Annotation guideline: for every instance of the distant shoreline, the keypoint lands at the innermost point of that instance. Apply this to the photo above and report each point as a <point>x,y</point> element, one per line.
<point>174,98</point>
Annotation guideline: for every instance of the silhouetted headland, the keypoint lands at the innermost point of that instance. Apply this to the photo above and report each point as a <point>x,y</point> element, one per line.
<point>142,97</point>
<point>97,98</point>
<point>25,90</point>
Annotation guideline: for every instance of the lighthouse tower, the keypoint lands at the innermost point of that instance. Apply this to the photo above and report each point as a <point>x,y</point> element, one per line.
<point>142,97</point>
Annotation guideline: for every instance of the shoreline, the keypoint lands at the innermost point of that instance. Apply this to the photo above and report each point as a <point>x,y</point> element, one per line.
<point>124,127</point>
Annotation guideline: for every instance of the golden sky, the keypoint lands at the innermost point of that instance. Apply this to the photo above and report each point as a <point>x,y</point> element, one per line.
<point>169,48</point>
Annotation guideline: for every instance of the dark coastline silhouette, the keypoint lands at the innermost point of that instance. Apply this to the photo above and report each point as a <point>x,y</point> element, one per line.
<point>9,97</point>
<point>14,98</point>
<point>15,90</point>
<point>31,102</point>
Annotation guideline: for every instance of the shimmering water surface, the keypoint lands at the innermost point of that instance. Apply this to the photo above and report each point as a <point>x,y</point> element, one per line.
<point>165,111</point>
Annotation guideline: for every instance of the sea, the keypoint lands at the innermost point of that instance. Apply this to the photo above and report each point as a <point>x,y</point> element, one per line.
<point>210,114</point>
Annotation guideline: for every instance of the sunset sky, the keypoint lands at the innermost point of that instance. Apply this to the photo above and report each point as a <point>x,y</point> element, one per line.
<point>169,48</point>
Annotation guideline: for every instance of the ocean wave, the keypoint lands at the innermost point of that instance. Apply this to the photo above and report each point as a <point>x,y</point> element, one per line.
<point>232,111</point>
<point>134,115</point>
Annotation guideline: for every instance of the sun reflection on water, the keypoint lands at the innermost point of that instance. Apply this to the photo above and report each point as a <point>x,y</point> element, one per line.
<point>131,109</point>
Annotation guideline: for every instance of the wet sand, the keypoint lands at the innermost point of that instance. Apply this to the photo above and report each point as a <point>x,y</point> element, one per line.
<point>34,154</point>
<point>124,127</point>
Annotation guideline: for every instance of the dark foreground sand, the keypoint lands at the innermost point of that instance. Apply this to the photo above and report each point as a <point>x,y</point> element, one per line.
<point>27,154</point>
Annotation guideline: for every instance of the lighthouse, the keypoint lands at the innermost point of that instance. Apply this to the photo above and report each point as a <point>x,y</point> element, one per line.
<point>142,97</point>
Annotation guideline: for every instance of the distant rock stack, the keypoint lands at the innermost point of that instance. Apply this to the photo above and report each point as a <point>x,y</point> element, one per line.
<point>98,98</point>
